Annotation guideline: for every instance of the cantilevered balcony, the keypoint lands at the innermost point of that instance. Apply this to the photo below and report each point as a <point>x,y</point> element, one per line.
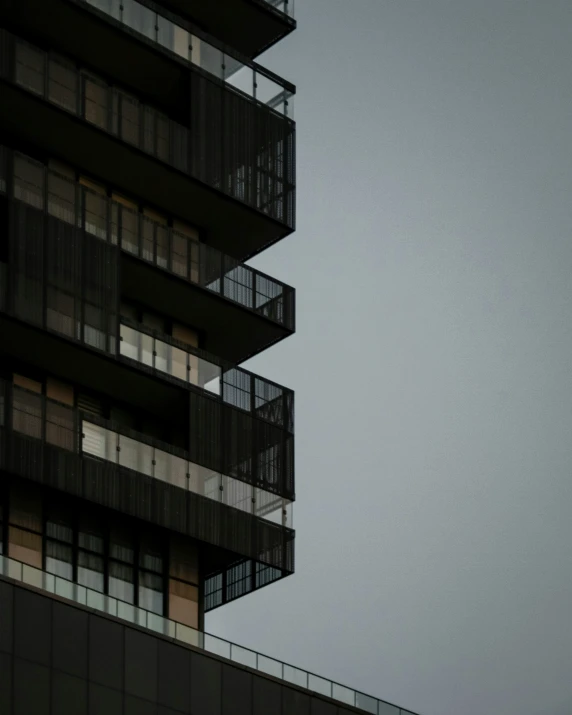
<point>241,310</point>
<point>250,26</point>
<point>232,147</point>
<point>106,463</point>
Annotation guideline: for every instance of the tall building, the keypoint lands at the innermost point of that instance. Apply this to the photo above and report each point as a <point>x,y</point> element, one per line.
<point>146,478</point>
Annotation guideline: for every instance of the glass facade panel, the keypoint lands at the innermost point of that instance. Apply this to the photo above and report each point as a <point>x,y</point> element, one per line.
<point>95,101</point>
<point>62,87</point>
<point>27,413</point>
<point>95,213</point>
<point>129,116</point>
<point>90,571</point>
<point>59,560</point>
<point>125,222</point>
<point>61,198</point>
<point>29,180</point>
<point>61,312</point>
<point>180,255</point>
<point>60,425</point>
<point>121,582</point>
<point>151,592</point>
<point>30,67</point>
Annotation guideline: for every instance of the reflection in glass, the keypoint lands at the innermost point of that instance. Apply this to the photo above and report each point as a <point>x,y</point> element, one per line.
<point>59,560</point>
<point>121,582</point>
<point>151,592</point>
<point>90,571</point>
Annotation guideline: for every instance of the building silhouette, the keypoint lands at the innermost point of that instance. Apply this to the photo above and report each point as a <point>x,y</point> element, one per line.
<point>146,478</point>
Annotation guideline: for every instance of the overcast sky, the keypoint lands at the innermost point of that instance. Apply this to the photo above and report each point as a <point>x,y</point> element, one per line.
<point>432,362</point>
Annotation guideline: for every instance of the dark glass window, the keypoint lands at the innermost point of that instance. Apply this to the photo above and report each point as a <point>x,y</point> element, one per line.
<point>90,562</point>
<point>63,84</point>
<point>30,67</point>
<point>151,592</point>
<point>59,559</point>
<point>96,101</point>
<point>121,582</point>
<point>121,571</point>
<point>119,562</point>
<point>90,571</point>
<point>61,197</point>
<point>29,181</point>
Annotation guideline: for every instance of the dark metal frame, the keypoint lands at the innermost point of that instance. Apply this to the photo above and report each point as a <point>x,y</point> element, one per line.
<point>216,153</point>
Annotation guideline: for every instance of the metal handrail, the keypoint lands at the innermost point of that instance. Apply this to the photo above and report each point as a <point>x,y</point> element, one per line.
<point>234,385</point>
<point>156,243</point>
<point>92,436</point>
<point>214,57</point>
<point>221,647</point>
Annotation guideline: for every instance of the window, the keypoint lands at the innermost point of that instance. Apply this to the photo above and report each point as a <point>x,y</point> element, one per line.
<point>126,115</point>
<point>62,84</point>
<point>96,101</point>
<point>27,407</point>
<point>61,193</point>
<point>155,237</point>
<point>30,67</point>
<point>59,551</point>
<point>59,560</point>
<point>151,583</point>
<point>28,181</point>
<point>121,562</point>
<point>90,565</point>
<point>61,312</point>
<point>125,223</point>
<point>185,251</point>
<point>60,425</point>
<point>94,207</point>
<point>155,133</point>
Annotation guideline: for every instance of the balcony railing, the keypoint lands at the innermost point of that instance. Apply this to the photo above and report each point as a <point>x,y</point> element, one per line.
<point>200,50</point>
<point>233,385</point>
<point>73,430</point>
<point>284,6</point>
<point>32,576</point>
<point>254,166</point>
<point>152,242</point>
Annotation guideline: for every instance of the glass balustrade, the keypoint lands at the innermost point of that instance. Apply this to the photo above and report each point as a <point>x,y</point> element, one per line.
<point>112,446</point>
<point>233,385</point>
<point>173,361</point>
<point>84,596</point>
<point>64,427</point>
<point>250,79</point>
<point>156,243</point>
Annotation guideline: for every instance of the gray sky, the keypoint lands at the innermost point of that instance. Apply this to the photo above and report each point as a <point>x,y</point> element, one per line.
<point>432,360</point>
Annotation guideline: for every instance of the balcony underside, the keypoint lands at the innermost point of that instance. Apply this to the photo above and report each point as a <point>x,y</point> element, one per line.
<point>231,332</point>
<point>251,26</point>
<point>227,224</point>
<point>74,362</point>
<point>231,533</point>
<point>112,51</point>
